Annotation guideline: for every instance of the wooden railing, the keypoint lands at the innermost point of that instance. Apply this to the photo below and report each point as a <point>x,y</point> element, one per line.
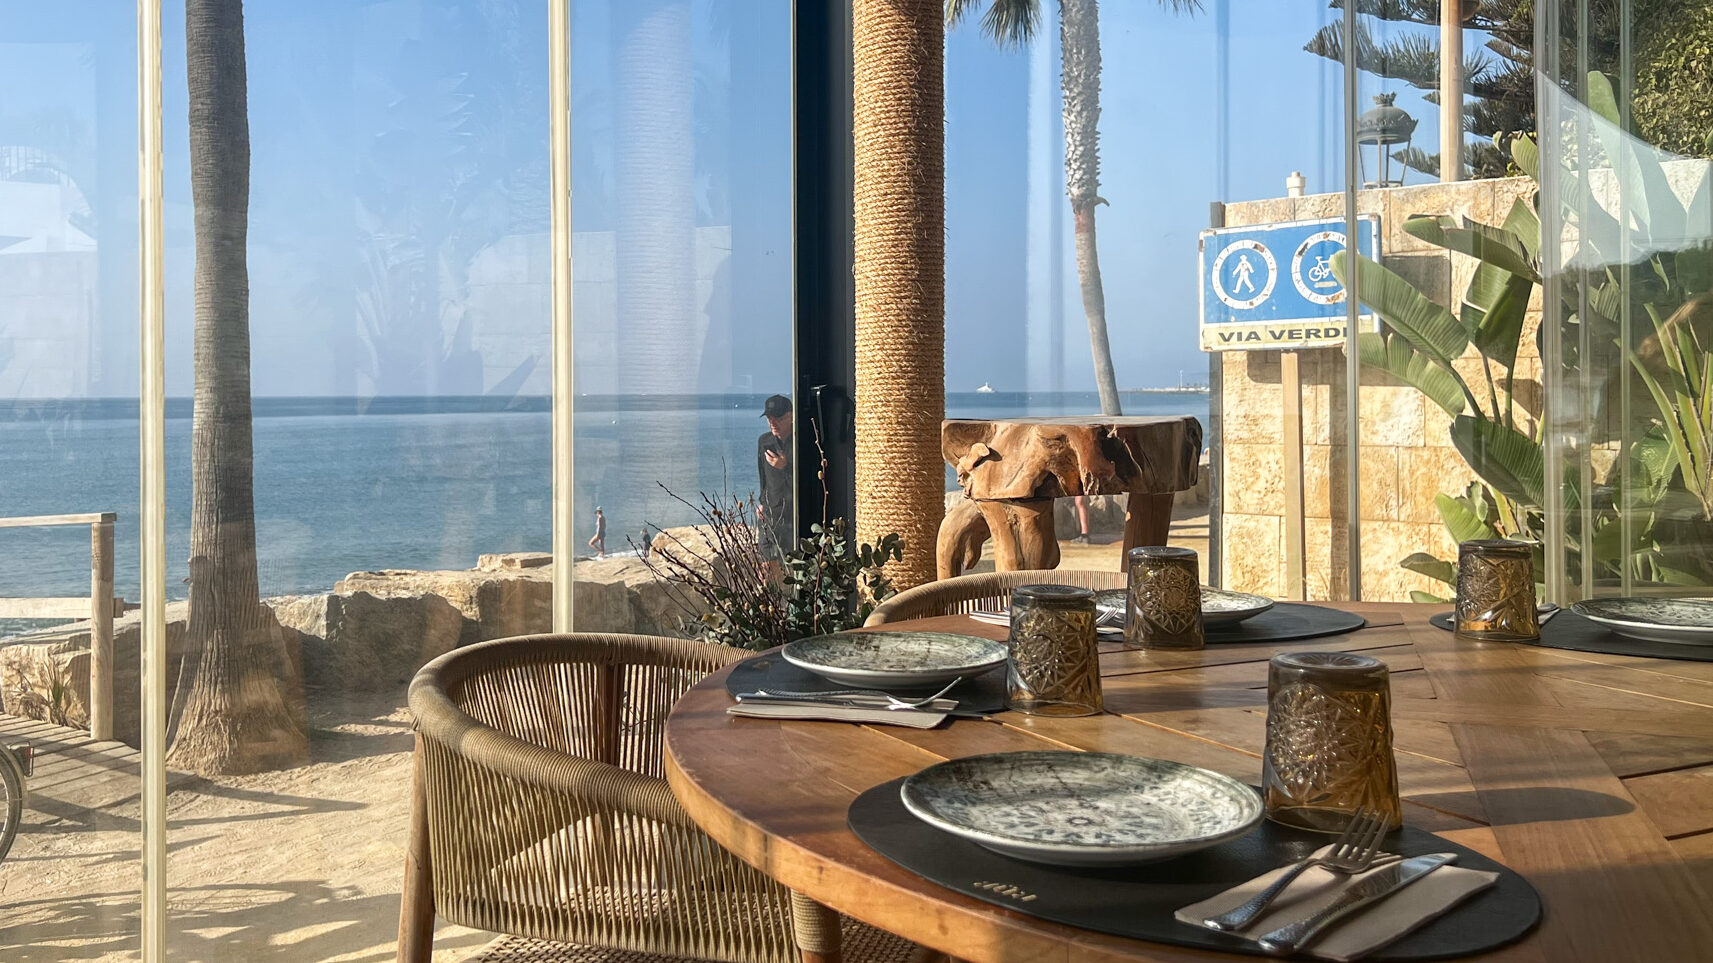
<point>99,607</point>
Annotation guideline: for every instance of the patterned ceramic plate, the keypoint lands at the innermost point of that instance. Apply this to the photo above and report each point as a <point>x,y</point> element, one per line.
<point>894,659</point>
<point>1082,808</point>
<point>1218,607</point>
<point>1686,621</point>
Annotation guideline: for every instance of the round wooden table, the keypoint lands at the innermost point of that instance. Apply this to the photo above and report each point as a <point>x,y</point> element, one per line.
<point>1592,775</point>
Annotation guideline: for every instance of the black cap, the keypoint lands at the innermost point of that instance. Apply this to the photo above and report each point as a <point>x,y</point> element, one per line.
<point>777,406</point>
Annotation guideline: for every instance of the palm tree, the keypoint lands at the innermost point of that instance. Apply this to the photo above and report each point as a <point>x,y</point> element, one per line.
<point>1013,23</point>
<point>241,708</point>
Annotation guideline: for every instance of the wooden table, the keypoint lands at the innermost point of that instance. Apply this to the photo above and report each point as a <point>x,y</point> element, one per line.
<point>1592,775</point>
<point>1011,470</point>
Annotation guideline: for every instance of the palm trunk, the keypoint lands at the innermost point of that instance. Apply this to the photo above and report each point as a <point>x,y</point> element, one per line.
<point>1079,43</point>
<point>236,714</point>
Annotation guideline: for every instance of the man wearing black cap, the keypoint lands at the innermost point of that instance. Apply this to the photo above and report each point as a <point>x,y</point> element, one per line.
<point>773,464</point>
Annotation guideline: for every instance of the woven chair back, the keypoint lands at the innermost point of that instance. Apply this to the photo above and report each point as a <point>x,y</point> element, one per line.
<point>548,817</point>
<point>989,591</point>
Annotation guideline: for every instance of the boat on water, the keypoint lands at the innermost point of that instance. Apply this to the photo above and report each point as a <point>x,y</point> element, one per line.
<point>985,389</point>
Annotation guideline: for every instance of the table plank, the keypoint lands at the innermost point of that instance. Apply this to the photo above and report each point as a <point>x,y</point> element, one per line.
<point>1680,803</point>
<point>1615,889</point>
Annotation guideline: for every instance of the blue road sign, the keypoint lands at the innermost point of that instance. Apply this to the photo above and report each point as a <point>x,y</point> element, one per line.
<point>1271,285</point>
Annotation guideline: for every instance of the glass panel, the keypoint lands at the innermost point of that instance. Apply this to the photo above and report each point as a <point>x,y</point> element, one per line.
<point>68,448</point>
<point>681,154</point>
<point>1203,116</point>
<point>1625,188</point>
<point>362,501</point>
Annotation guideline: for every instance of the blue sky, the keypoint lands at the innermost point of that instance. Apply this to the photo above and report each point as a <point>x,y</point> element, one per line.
<point>407,129</point>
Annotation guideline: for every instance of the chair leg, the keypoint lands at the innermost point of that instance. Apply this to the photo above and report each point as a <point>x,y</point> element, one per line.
<point>416,906</point>
<point>817,931</point>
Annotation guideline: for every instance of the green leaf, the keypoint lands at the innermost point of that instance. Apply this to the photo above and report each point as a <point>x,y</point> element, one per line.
<point>1491,245</point>
<point>1525,153</point>
<point>1524,223</point>
<point>1500,327</point>
<point>1392,354</point>
<point>1602,99</point>
<point>1428,326</point>
<point>1435,568</point>
<point>1427,598</point>
<point>1462,520</point>
<point>1508,460</point>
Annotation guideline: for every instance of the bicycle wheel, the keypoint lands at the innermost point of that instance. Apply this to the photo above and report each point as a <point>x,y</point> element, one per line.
<point>11,799</point>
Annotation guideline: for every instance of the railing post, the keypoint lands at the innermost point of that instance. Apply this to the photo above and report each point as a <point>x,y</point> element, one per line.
<point>101,627</point>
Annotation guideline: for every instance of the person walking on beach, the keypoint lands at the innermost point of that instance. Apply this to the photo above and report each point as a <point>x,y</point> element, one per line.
<point>773,466</point>
<point>598,541</point>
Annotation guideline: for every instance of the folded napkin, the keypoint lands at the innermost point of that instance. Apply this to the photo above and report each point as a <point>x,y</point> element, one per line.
<point>1371,928</point>
<point>1004,618</point>
<point>914,718</point>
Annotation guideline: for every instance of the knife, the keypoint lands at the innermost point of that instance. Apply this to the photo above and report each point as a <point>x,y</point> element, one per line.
<point>943,706</point>
<point>1364,892</point>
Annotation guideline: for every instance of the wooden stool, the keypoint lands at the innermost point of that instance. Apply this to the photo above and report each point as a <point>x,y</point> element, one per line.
<point>1012,469</point>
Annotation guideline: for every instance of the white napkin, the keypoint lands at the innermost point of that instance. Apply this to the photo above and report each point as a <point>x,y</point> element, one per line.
<point>1004,618</point>
<point>914,718</point>
<point>1371,928</point>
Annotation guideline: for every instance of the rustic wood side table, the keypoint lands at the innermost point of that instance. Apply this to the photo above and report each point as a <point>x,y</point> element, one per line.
<point>1011,470</point>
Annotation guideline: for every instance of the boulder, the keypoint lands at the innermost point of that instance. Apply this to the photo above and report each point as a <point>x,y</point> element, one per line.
<point>512,561</point>
<point>359,642</point>
<point>494,605</point>
<point>45,675</point>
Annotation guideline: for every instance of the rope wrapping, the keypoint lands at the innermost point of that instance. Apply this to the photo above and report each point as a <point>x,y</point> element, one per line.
<point>900,253</point>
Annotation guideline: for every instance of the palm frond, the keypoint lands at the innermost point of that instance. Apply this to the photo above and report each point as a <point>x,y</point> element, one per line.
<point>1009,23</point>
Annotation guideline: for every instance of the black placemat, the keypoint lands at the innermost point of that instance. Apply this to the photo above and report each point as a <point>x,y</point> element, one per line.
<point>1139,901</point>
<point>978,695</point>
<point>1286,622</point>
<point>1567,630</point>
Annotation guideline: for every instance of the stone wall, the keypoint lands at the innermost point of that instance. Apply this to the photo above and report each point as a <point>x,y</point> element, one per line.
<point>1406,453</point>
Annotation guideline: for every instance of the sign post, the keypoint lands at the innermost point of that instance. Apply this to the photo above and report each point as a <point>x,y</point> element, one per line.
<point>1271,287</point>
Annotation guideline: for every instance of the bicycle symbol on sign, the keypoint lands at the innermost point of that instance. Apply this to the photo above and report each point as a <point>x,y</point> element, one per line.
<point>1321,270</point>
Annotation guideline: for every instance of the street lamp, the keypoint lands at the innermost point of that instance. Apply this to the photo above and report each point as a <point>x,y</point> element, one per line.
<point>1383,126</point>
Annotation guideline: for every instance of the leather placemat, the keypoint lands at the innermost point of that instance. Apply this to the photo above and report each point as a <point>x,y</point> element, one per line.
<point>1286,622</point>
<point>1139,901</point>
<point>980,695</point>
<point>1567,630</point>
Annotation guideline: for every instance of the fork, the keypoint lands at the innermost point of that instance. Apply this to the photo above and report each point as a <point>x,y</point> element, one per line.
<point>1355,851</point>
<point>892,701</point>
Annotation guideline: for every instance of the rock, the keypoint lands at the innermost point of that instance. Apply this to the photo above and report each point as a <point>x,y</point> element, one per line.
<point>31,665</point>
<point>513,561</point>
<point>495,605</point>
<point>359,642</point>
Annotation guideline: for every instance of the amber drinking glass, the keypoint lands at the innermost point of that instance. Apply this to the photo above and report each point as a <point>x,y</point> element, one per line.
<point>1054,665</point>
<point>1329,740</point>
<point>1496,591</point>
<point>1164,599</point>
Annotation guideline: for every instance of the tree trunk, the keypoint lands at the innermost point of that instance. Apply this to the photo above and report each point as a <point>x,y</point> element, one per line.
<point>898,138</point>
<point>240,711</point>
<point>1079,43</point>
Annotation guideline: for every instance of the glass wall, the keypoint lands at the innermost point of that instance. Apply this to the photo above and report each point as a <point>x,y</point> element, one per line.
<point>68,456</point>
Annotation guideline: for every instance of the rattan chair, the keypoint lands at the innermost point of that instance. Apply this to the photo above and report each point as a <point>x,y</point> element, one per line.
<point>540,811</point>
<point>984,592</point>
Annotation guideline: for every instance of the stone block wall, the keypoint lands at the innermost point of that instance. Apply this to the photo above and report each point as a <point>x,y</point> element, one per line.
<point>1406,454</point>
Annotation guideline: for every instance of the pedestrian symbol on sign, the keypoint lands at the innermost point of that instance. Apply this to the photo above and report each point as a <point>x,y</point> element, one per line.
<point>1235,270</point>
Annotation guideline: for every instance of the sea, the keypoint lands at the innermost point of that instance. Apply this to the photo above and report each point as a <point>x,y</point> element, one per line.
<point>346,484</point>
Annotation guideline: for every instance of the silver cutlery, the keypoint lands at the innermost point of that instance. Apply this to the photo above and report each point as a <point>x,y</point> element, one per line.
<point>1370,889</point>
<point>891,700</point>
<point>1356,850</point>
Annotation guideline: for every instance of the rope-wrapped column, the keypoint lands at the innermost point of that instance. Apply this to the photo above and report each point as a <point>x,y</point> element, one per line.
<point>900,207</point>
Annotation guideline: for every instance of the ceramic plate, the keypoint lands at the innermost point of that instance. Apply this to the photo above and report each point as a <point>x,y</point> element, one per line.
<point>1082,808</point>
<point>1685,621</point>
<point>894,659</point>
<point>1218,607</point>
